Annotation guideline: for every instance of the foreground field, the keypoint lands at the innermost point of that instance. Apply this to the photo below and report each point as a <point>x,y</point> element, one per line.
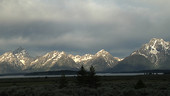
<point>156,85</point>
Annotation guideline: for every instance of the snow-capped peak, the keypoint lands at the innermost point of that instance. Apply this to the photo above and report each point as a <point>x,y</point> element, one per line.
<point>56,59</point>
<point>53,55</point>
<point>157,39</point>
<point>156,45</point>
<point>102,53</point>
<point>156,50</point>
<point>154,41</point>
<point>79,58</point>
<point>19,50</point>
<point>18,57</point>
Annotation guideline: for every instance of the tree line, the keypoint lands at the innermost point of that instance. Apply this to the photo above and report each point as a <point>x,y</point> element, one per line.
<point>84,78</point>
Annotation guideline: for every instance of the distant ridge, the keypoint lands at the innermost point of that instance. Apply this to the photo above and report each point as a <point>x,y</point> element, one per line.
<point>153,55</point>
<point>19,61</point>
<point>61,72</point>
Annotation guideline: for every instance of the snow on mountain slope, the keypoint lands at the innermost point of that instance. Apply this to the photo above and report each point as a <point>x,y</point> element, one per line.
<point>79,58</point>
<point>56,60</point>
<point>51,59</point>
<point>101,60</point>
<point>111,61</point>
<point>18,58</point>
<point>156,51</point>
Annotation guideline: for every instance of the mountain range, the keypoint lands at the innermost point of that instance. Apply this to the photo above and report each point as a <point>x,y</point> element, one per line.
<point>152,55</point>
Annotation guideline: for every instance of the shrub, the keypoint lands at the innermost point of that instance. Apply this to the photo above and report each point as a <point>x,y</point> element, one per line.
<point>140,85</point>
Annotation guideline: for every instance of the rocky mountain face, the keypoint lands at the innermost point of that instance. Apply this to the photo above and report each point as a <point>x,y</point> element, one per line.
<point>157,51</point>
<point>133,63</point>
<point>20,61</point>
<point>152,55</point>
<point>14,61</point>
<point>52,61</point>
<point>101,60</point>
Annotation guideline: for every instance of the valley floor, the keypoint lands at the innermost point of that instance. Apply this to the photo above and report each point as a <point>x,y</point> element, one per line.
<point>156,85</point>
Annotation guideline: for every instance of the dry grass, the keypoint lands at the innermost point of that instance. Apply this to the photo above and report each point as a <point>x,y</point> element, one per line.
<point>110,86</point>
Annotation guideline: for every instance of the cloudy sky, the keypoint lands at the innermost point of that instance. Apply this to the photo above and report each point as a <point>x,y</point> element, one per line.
<point>82,26</point>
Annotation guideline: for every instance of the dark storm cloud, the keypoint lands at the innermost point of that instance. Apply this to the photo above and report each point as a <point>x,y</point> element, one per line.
<point>86,26</point>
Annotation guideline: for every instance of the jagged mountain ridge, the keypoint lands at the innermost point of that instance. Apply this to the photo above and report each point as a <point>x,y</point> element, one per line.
<point>18,59</point>
<point>52,61</point>
<point>156,51</point>
<point>55,60</point>
<point>101,60</point>
<point>24,57</point>
<point>152,55</point>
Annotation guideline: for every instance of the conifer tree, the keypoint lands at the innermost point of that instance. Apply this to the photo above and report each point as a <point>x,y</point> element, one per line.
<point>82,77</point>
<point>93,80</point>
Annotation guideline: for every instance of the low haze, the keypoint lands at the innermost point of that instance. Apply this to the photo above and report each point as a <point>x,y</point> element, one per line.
<point>82,26</point>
